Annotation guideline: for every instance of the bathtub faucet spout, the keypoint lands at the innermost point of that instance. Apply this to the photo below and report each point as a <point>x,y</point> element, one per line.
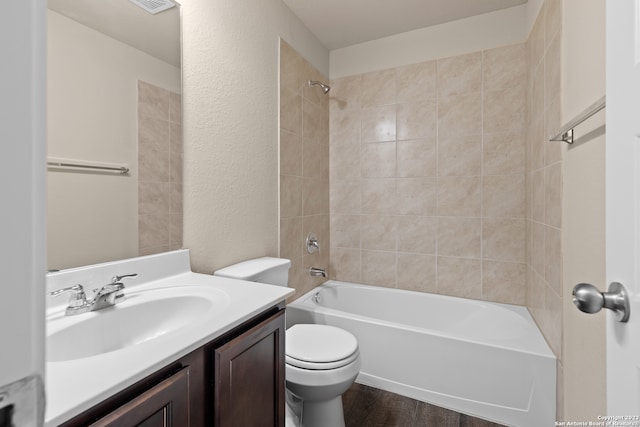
<point>317,272</point>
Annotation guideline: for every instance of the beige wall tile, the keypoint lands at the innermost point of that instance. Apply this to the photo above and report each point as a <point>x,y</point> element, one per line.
<point>504,282</point>
<point>552,321</point>
<point>175,231</point>
<point>553,258</point>
<point>537,141</point>
<point>176,198</point>
<point>460,156</point>
<point>315,159</point>
<point>552,77</point>
<point>504,67</point>
<point>460,74</point>
<point>535,295</point>
<point>153,133</point>
<point>459,196</point>
<point>315,196</point>
<point>379,196</point>
<point>415,196</point>
<point>538,196</point>
<point>536,39</point>
<point>553,194</point>
<point>417,234</point>
<point>175,108</point>
<point>153,101</point>
<point>504,239</point>
<point>460,277</point>
<point>537,248</point>
<point>504,153</point>
<point>416,158</point>
<point>320,226</point>
<point>291,110</point>
<point>290,196</point>
<point>416,120</point>
<point>459,237</point>
<point>344,127</point>
<point>406,194</point>
<point>378,232</point>
<point>417,272</point>
<point>154,229</point>
<point>345,196</point>
<point>346,94</point>
<point>379,88</point>
<point>345,231</point>
<point>378,124</point>
<point>460,114</point>
<point>345,265</point>
<point>378,160</point>
<point>503,196</point>
<point>315,125</point>
<point>153,164</point>
<point>344,162</point>
<point>290,153</point>
<point>379,268</point>
<point>416,82</point>
<point>154,197</point>
<point>504,109</point>
<point>291,238</point>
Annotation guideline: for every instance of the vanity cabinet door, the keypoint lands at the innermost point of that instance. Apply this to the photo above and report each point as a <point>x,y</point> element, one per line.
<point>249,377</point>
<point>164,405</point>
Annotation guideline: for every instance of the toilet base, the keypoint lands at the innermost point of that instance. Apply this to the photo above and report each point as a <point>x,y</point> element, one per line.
<point>323,413</point>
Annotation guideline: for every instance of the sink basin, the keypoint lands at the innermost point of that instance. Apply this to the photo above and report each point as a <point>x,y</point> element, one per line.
<point>142,317</point>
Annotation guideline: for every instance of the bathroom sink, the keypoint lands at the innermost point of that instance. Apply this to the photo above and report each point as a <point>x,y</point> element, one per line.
<point>143,316</point>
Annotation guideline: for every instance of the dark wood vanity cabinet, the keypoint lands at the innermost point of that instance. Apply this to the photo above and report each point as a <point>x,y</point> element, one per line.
<point>164,405</point>
<point>249,374</point>
<point>235,380</point>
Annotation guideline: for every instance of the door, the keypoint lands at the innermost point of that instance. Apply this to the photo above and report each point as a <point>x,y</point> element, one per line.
<point>623,198</point>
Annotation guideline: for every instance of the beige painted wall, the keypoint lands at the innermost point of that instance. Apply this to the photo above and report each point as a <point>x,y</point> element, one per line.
<point>500,28</point>
<point>230,104</point>
<point>92,115</point>
<point>583,82</point>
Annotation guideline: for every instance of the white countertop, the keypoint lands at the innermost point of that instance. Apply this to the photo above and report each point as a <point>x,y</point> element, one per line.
<point>77,385</point>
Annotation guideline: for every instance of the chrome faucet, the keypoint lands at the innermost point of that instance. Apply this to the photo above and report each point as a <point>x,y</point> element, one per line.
<point>107,296</point>
<point>317,272</point>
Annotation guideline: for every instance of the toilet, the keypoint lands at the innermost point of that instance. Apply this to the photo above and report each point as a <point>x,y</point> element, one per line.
<point>322,361</point>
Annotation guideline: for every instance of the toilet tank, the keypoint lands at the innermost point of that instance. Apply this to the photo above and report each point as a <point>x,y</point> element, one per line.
<point>269,270</point>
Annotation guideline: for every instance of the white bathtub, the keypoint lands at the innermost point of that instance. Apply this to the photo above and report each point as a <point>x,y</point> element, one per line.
<point>484,359</point>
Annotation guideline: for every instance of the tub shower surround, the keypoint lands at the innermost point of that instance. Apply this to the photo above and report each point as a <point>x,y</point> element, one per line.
<point>427,167</point>
<point>159,169</point>
<point>304,168</point>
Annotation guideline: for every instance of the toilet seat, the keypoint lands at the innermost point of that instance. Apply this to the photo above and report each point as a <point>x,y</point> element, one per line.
<point>320,347</point>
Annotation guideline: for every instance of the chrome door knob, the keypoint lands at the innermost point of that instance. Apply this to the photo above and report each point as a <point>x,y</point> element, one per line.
<point>590,300</point>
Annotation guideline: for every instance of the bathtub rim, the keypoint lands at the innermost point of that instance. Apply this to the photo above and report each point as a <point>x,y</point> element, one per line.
<point>542,347</point>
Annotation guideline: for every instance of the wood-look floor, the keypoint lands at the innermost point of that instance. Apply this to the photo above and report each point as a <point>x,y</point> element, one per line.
<point>370,407</point>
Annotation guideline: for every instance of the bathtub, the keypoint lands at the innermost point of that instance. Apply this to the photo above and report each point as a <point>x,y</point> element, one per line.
<point>484,359</point>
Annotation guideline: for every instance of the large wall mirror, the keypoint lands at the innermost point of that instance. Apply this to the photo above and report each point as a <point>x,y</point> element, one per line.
<point>114,100</point>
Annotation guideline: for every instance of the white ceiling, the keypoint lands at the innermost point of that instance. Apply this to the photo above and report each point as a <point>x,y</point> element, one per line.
<point>341,23</point>
<point>157,35</point>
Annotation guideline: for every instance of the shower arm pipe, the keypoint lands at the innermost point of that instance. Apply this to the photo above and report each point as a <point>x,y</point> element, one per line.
<point>325,87</point>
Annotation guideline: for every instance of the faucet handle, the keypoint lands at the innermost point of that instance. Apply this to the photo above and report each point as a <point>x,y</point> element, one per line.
<point>116,279</point>
<point>78,298</point>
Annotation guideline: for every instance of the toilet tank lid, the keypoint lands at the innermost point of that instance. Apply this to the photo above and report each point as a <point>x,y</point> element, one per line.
<point>247,269</point>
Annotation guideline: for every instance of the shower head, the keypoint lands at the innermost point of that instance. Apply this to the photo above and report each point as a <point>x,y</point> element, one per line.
<point>325,88</point>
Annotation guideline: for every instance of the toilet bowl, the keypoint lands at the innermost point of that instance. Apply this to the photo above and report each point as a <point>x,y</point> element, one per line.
<point>322,361</point>
<point>321,364</point>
